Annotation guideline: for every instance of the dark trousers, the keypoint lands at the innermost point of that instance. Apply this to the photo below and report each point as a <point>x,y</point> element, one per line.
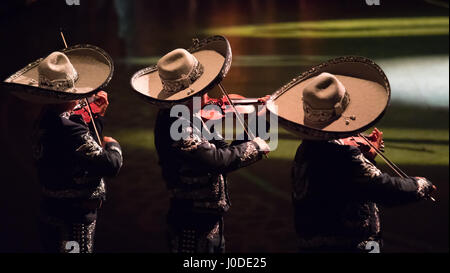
<point>67,227</point>
<point>193,232</point>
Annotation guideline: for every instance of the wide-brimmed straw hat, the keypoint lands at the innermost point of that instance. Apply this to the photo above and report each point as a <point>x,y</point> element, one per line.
<point>70,74</point>
<point>336,99</point>
<point>181,74</point>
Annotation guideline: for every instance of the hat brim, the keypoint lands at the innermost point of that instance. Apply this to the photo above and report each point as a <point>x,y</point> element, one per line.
<point>214,53</point>
<point>93,65</point>
<point>366,84</point>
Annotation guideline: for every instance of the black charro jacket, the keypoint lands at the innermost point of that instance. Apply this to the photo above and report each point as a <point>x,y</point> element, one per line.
<point>335,194</point>
<point>195,169</point>
<point>71,164</point>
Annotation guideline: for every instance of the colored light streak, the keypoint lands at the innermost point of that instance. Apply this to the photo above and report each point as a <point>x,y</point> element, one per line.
<point>351,28</point>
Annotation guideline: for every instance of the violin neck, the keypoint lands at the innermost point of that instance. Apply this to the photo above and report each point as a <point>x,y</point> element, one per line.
<point>245,101</point>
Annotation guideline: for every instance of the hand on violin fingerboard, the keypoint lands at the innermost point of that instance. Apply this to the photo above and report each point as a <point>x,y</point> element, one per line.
<point>98,103</point>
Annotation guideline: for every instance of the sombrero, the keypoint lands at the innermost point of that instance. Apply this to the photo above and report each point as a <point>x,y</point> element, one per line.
<point>335,99</point>
<point>70,74</point>
<point>182,74</point>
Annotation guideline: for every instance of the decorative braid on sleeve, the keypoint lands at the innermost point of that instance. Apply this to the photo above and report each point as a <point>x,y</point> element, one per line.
<point>89,148</point>
<point>368,169</point>
<point>423,187</point>
<point>251,154</point>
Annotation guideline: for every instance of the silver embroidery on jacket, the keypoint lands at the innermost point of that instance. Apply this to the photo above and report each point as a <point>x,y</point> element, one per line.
<point>191,142</point>
<point>90,148</point>
<point>250,155</point>
<point>368,168</point>
<point>92,193</point>
<point>422,187</point>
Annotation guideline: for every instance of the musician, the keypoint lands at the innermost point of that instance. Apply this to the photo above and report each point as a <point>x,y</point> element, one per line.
<point>195,171</point>
<point>71,166</point>
<point>71,162</point>
<point>337,190</point>
<point>336,186</point>
<point>194,166</point>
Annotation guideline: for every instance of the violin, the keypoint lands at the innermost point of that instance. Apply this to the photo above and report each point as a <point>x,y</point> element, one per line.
<point>242,105</point>
<point>98,104</point>
<point>368,145</point>
<point>373,145</point>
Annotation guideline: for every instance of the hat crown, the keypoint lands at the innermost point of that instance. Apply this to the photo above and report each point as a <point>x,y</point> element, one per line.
<point>57,72</point>
<point>178,69</point>
<point>324,100</point>
<point>176,64</point>
<point>324,92</point>
<point>56,67</point>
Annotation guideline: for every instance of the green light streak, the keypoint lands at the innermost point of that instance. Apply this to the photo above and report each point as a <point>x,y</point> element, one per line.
<point>403,146</point>
<point>247,60</point>
<point>406,147</point>
<point>353,28</point>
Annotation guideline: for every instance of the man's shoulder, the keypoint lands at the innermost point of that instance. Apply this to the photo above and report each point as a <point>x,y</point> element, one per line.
<point>73,124</point>
<point>331,149</point>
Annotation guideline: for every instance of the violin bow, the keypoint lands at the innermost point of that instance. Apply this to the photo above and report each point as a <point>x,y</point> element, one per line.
<point>391,164</point>
<point>85,100</point>
<point>238,116</point>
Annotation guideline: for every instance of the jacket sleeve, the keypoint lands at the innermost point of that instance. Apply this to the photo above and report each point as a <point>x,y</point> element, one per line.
<point>369,183</point>
<point>220,143</point>
<point>95,159</point>
<point>217,159</point>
